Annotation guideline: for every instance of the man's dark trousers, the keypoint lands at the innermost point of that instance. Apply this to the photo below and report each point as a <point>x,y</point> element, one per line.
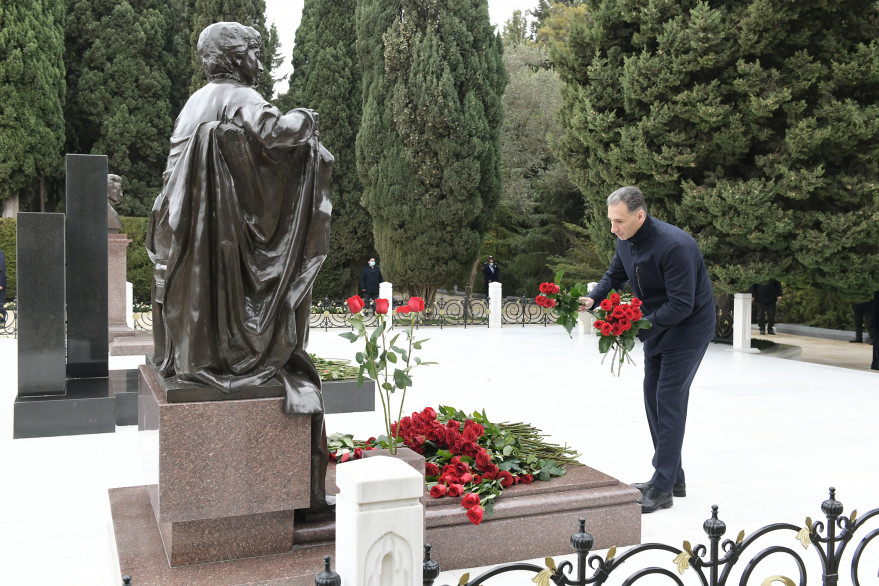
<point>765,310</point>
<point>667,380</point>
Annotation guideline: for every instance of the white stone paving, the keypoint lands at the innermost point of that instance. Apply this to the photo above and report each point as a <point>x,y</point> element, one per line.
<point>766,438</point>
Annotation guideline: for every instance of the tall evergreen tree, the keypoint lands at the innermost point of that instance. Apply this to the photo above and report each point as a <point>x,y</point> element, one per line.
<point>754,124</point>
<point>428,151</point>
<point>32,92</point>
<point>326,78</point>
<point>119,55</point>
<point>247,12</point>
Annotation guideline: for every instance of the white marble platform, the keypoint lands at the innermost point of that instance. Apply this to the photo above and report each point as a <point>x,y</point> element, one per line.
<point>766,438</point>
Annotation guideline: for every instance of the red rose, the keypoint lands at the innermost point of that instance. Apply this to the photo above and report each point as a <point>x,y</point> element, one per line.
<point>452,424</point>
<point>455,490</point>
<point>381,306</point>
<point>606,329</point>
<point>474,515</point>
<point>540,300</point>
<point>416,304</point>
<point>635,302</point>
<point>614,298</point>
<point>480,431</point>
<point>429,413</point>
<point>345,457</point>
<point>597,324</point>
<point>355,304</point>
<point>543,288</point>
<point>550,303</point>
<point>469,449</point>
<point>437,434</point>
<point>477,479</point>
<point>431,469</point>
<point>625,324</point>
<point>483,459</point>
<point>470,434</point>
<point>506,478</point>
<point>417,443</point>
<point>358,453</point>
<point>630,313</point>
<point>606,305</point>
<point>618,312</point>
<point>466,478</point>
<point>526,479</point>
<point>470,500</point>
<point>438,490</point>
<point>404,309</point>
<point>617,330</point>
<point>637,314</point>
<point>555,289</point>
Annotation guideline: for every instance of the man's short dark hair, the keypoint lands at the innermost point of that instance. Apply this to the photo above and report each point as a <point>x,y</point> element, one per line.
<point>629,195</point>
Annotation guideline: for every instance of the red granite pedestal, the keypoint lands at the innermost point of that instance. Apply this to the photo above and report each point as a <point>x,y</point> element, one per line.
<point>228,474</point>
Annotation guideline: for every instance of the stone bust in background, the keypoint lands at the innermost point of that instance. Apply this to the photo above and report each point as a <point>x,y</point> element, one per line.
<point>114,196</point>
<point>237,237</point>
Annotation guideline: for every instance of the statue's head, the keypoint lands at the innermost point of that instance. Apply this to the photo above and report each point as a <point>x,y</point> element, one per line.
<point>114,188</point>
<point>229,50</point>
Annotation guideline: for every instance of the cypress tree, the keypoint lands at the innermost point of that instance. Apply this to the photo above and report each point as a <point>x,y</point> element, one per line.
<point>32,92</point>
<point>753,124</point>
<point>119,56</point>
<point>428,151</point>
<point>326,78</point>
<point>247,12</point>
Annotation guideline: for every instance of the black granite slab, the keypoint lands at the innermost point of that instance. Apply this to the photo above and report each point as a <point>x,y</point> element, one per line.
<point>87,406</point>
<point>87,344</point>
<point>123,384</point>
<point>41,334</point>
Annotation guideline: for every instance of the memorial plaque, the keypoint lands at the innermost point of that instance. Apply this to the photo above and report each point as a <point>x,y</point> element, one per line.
<point>41,342</point>
<point>87,344</point>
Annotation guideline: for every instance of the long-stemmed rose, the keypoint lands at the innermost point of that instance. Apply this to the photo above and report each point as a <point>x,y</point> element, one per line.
<point>380,356</point>
<point>563,302</point>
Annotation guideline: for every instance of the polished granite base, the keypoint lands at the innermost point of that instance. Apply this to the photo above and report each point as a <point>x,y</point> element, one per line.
<point>87,406</point>
<point>530,521</point>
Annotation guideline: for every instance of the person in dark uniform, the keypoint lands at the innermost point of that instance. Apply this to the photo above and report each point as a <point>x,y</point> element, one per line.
<point>766,295</point>
<point>864,313</point>
<point>370,278</point>
<point>490,272</point>
<point>664,266</point>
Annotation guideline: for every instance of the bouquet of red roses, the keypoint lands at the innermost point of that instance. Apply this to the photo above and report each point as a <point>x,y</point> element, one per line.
<point>563,303</point>
<point>618,321</point>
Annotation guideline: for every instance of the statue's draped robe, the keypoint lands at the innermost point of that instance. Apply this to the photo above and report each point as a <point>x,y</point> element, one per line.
<point>238,235</point>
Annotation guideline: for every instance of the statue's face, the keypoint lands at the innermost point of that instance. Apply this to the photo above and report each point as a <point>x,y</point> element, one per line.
<point>251,68</point>
<point>114,190</point>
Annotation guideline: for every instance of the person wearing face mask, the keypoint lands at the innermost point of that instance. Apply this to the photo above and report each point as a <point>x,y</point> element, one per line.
<point>490,272</point>
<point>370,277</point>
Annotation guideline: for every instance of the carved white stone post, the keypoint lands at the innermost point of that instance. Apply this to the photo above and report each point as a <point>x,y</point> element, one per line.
<point>586,319</point>
<point>742,322</point>
<point>386,291</point>
<point>379,523</point>
<point>495,304</point>
<point>129,303</point>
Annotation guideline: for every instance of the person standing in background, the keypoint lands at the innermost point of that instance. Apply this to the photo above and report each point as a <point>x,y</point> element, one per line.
<point>370,278</point>
<point>766,296</point>
<point>490,272</point>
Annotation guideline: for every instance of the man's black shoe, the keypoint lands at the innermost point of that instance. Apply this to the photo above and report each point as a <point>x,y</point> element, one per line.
<point>856,341</point>
<point>680,489</point>
<point>654,499</point>
<point>771,332</point>
<point>762,332</point>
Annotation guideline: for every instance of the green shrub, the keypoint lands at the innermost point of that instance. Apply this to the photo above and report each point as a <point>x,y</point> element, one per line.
<point>814,307</point>
<point>7,245</point>
<point>140,267</point>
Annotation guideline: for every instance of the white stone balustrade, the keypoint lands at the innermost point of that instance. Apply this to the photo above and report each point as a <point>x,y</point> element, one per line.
<point>379,523</point>
<point>742,322</point>
<point>495,304</point>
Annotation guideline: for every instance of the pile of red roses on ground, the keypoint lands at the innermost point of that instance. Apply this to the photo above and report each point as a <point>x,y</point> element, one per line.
<point>468,457</point>
<point>618,320</point>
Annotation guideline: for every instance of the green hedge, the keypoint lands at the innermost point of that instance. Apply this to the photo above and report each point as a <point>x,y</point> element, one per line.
<point>140,268</point>
<point>7,245</point>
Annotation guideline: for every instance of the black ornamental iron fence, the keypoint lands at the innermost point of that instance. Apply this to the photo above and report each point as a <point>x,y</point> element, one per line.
<point>8,322</point>
<point>717,564</point>
<point>723,331</point>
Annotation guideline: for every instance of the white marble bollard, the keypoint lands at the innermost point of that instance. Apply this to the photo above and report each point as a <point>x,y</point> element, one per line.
<point>742,322</point>
<point>386,291</point>
<point>379,523</point>
<point>586,319</point>
<point>495,304</point>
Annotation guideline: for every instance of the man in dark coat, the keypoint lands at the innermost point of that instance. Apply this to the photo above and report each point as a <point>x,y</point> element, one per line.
<point>766,296</point>
<point>370,279</point>
<point>666,271</point>
<point>490,272</point>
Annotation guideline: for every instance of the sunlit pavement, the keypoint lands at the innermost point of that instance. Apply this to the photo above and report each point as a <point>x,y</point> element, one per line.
<point>766,438</point>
